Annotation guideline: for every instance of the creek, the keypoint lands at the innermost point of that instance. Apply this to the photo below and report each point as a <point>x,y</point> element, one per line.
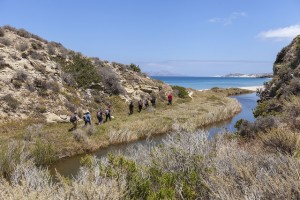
<point>69,167</point>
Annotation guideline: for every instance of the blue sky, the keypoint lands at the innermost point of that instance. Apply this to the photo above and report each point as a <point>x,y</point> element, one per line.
<point>191,37</point>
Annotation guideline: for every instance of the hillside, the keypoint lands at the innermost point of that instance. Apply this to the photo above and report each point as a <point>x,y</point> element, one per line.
<point>41,79</point>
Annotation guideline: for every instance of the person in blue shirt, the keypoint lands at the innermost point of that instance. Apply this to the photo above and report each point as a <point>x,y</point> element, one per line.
<point>87,118</point>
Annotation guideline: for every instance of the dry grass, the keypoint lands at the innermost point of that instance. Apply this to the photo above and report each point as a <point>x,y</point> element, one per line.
<point>187,115</point>
<point>186,166</point>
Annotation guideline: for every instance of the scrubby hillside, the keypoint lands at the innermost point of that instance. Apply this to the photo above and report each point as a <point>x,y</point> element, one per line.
<point>41,79</point>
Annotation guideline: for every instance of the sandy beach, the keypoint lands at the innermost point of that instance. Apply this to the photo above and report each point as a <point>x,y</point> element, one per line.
<point>252,88</point>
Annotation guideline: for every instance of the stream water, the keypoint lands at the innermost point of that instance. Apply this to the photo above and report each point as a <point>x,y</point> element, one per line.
<point>70,166</point>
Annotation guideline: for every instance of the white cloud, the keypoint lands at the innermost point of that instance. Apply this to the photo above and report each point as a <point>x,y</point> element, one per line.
<point>281,33</point>
<point>227,20</point>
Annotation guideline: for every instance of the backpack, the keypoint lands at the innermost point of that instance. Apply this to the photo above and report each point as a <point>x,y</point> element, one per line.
<point>73,118</point>
<point>99,114</point>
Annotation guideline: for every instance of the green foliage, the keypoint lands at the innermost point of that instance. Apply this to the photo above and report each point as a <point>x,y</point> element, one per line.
<point>43,153</point>
<point>154,182</point>
<point>83,71</point>
<point>181,91</point>
<point>267,108</point>
<point>135,67</point>
<point>10,156</point>
<point>87,161</point>
<point>238,123</point>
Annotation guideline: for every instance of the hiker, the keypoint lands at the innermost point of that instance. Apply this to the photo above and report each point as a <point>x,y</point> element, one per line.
<point>107,115</point>
<point>153,102</point>
<point>100,116</point>
<point>146,103</point>
<point>87,118</point>
<point>170,98</point>
<point>109,108</point>
<point>131,108</point>
<point>74,120</point>
<point>140,105</point>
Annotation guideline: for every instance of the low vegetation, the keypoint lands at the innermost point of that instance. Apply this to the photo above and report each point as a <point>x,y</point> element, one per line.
<point>184,115</point>
<point>180,91</point>
<point>83,71</point>
<point>185,166</point>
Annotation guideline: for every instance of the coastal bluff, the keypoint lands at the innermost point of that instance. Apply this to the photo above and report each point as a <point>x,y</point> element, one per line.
<point>42,79</point>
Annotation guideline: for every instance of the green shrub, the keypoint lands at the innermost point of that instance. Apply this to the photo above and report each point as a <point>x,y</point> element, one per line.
<point>24,55</point>
<point>43,153</point>
<point>83,71</point>
<point>180,91</point>
<point>10,156</point>
<point>267,108</point>
<point>135,67</point>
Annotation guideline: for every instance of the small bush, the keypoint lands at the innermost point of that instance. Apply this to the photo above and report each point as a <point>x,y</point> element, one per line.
<point>110,81</point>
<point>180,91</point>
<point>51,85</point>
<point>83,71</point>
<point>5,41</point>
<point>11,101</point>
<point>1,32</point>
<point>3,64</point>
<point>90,130</point>
<point>30,87</point>
<point>38,38</point>
<point>22,47</point>
<point>71,107</point>
<point>282,140</point>
<point>17,84</point>
<point>135,68</point>
<point>41,109</point>
<point>51,49</point>
<point>10,156</point>
<point>23,33</point>
<point>43,92</point>
<point>21,75</point>
<point>43,153</point>
<point>262,124</point>
<point>24,55</point>
<point>267,108</point>
<point>35,55</point>
<point>79,135</point>
<point>36,45</point>
<point>69,79</point>
<point>35,130</point>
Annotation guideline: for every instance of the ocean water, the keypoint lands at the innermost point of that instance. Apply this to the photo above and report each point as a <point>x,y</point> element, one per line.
<point>201,83</point>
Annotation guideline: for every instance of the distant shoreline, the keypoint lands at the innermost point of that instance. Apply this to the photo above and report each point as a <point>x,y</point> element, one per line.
<point>251,88</point>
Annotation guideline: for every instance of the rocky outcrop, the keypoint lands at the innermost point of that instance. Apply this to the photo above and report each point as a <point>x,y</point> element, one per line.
<point>286,81</point>
<point>38,77</point>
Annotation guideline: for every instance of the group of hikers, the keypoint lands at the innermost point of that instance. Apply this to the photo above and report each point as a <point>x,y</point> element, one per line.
<point>88,119</point>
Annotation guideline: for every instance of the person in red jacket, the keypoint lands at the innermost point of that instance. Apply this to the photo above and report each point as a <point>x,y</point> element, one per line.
<point>170,98</point>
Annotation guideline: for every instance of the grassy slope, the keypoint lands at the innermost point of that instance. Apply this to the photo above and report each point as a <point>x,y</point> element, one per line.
<point>185,114</point>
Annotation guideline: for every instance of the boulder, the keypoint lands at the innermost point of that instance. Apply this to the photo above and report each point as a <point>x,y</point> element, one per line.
<point>53,118</point>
